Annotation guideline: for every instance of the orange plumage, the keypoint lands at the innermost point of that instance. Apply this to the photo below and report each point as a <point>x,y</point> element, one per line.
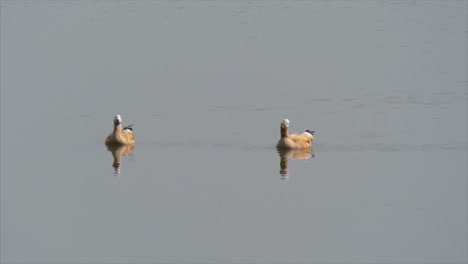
<point>120,136</point>
<point>294,141</point>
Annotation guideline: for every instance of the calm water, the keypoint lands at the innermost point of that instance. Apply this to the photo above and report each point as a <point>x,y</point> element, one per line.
<point>206,85</point>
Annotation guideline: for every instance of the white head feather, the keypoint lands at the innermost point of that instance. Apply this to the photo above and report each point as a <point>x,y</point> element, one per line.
<point>118,120</point>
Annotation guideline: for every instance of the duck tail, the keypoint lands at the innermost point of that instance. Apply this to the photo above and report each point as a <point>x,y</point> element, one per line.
<point>128,128</point>
<point>310,131</point>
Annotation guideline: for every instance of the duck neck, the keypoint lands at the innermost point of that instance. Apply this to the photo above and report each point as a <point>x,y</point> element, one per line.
<point>284,132</point>
<point>118,128</point>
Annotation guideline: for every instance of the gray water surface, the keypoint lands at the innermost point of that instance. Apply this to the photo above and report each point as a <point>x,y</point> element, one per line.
<point>206,85</point>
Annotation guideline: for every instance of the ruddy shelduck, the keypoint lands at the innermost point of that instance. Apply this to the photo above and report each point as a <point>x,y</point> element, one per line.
<point>294,141</point>
<point>120,136</point>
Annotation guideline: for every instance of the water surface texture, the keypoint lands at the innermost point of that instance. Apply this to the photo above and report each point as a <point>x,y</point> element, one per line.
<point>206,85</point>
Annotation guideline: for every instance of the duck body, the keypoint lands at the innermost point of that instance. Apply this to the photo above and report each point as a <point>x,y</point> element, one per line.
<point>120,136</point>
<point>294,141</point>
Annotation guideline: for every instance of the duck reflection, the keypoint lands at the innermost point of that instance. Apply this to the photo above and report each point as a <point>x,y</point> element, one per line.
<point>287,154</point>
<point>117,153</point>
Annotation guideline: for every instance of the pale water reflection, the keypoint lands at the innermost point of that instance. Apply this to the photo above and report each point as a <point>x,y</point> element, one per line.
<point>117,153</point>
<point>287,154</point>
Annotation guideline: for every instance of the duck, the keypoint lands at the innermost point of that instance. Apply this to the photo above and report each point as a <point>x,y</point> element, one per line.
<point>294,141</point>
<point>120,136</point>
